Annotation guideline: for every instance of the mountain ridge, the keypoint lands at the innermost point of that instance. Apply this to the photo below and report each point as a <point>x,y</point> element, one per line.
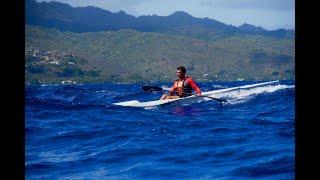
<point>92,19</point>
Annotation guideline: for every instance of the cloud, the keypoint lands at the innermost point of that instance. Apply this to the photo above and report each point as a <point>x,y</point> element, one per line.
<point>165,7</point>
<point>111,5</point>
<point>269,14</point>
<point>281,5</point>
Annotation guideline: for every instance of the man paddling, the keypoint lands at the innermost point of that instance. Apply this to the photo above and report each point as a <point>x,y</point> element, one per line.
<point>182,87</point>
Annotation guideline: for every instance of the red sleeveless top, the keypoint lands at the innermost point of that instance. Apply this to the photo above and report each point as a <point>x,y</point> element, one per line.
<point>184,87</point>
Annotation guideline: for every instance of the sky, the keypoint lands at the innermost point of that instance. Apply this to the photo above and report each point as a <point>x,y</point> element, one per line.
<point>269,14</point>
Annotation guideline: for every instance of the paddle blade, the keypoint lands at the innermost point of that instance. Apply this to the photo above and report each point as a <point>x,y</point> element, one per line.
<point>220,100</point>
<point>151,88</point>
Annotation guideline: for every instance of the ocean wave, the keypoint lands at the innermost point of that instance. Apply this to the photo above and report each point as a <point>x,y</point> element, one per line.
<point>76,132</point>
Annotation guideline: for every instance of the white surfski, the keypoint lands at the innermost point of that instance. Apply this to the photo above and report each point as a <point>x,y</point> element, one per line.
<point>193,98</point>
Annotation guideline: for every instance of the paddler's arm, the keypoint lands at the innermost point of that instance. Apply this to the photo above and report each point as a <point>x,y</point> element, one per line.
<point>195,87</point>
<point>171,93</point>
<point>172,89</point>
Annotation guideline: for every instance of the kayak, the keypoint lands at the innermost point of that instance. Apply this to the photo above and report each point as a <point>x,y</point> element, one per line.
<point>192,98</point>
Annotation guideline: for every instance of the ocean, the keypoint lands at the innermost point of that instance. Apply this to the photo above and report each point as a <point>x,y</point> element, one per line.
<point>75,132</point>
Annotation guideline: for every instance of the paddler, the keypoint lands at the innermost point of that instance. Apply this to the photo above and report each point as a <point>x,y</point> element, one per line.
<point>182,87</point>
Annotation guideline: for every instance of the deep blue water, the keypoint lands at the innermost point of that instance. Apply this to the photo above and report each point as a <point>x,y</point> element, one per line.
<point>74,132</point>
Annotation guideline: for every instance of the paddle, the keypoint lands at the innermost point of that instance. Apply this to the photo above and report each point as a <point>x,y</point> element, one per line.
<point>156,88</point>
<point>151,88</point>
<point>220,100</point>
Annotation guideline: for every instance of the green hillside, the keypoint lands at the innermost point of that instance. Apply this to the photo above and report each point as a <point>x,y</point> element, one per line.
<point>131,56</point>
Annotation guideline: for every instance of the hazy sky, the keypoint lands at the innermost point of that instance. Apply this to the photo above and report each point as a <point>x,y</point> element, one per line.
<point>269,14</point>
